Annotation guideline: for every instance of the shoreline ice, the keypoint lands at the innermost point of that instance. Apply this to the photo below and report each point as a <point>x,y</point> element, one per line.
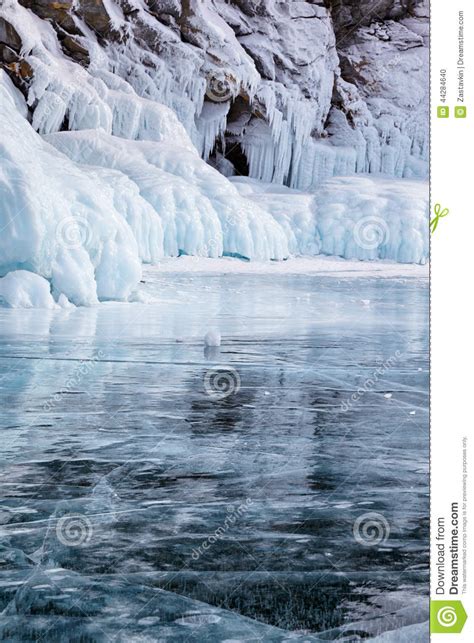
<point>321,265</point>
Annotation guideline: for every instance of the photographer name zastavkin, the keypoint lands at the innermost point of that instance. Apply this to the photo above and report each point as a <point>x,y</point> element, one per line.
<point>447,545</point>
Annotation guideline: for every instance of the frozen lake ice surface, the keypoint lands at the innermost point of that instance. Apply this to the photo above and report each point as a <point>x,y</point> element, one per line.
<point>273,488</point>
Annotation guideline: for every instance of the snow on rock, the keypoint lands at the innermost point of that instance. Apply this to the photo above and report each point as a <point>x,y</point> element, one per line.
<point>270,80</point>
<point>23,289</point>
<point>381,97</point>
<point>61,92</point>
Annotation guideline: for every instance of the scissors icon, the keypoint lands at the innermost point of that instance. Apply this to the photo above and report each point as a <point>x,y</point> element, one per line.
<point>439,214</point>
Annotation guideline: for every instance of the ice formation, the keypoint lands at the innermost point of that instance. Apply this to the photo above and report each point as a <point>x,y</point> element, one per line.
<point>267,78</point>
<point>86,222</point>
<point>59,220</point>
<point>103,164</point>
<point>201,212</point>
<point>212,338</point>
<point>24,289</point>
<point>355,217</point>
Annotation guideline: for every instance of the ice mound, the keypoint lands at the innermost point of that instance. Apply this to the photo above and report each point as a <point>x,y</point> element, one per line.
<point>201,212</point>
<point>295,212</point>
<point>354,217</point>
<point>88,221</point>
<point>60,220</point>
<point>23,289</point>
<point>367,217</point>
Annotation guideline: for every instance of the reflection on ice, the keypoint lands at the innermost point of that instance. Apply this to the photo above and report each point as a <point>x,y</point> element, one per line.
<point>118,465</point>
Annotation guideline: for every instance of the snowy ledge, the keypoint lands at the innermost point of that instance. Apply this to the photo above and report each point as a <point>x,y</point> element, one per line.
<point>321,265</point>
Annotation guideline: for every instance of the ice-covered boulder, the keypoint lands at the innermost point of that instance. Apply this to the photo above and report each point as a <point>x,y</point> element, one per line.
<point>259,82</point>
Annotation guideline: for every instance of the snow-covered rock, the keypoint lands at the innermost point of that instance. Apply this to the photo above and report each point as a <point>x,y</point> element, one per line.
<point>381,97</point>
<point>260,81</point>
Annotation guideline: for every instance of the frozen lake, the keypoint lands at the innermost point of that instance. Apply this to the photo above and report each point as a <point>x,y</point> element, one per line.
<point>143,503</point>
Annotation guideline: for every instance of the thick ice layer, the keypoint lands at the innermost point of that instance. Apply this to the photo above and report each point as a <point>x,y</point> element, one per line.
<point>408,634</point>
<point>23,289</point>
<point>58,219</point>
<point>86,226</point>
<point>374,218</point>
<point>202,213</point>
<point>355,217</point>
<point>153,480</point>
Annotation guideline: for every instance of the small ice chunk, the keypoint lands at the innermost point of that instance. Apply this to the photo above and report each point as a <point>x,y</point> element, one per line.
<point>388,395</point>
<point>412,412</point>
<point>365,302</point>
<point>24,289</point>
<point>212,338</point>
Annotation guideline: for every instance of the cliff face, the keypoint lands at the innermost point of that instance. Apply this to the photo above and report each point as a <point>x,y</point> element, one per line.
<point>288,92</point>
